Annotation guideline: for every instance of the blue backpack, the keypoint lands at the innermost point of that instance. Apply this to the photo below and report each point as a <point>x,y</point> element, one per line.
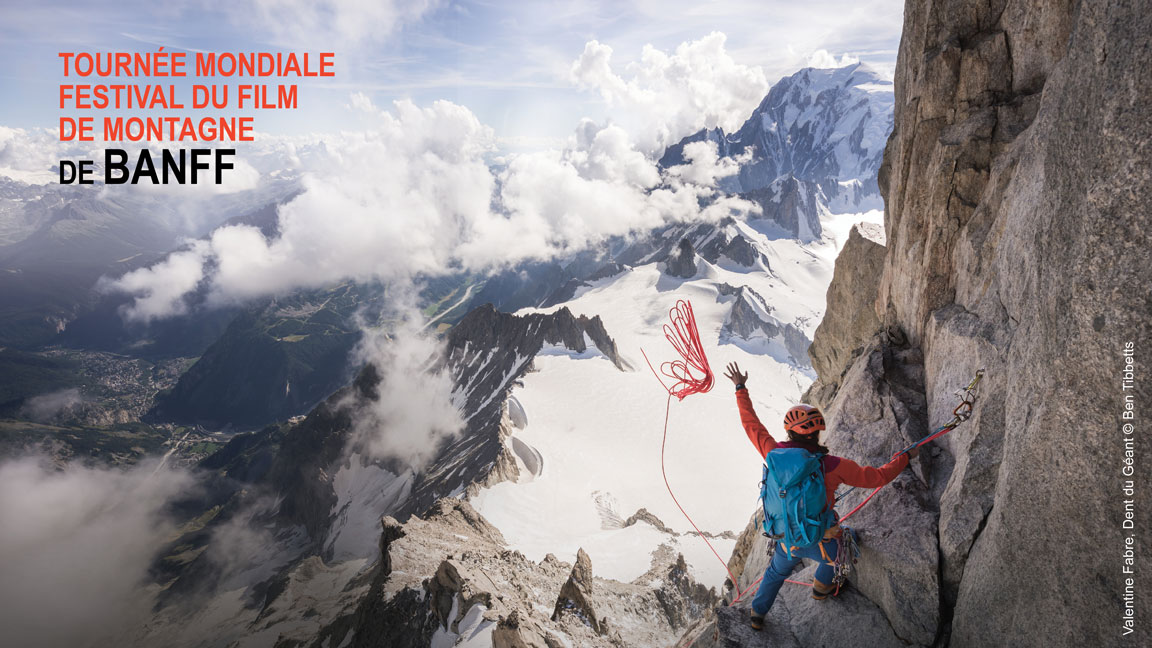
<point>794,499</point>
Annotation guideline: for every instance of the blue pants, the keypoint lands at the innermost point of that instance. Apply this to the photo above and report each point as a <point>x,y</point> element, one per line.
<point>781,567</point>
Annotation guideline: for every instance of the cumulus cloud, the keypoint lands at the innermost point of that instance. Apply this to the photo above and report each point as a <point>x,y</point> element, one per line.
<point>45,407</point>
<point>705,166</point>
<point>75,545</point>
<point>160,289</point>
<point>417,409</point>
<point>824,59</point>
<point>361,102</point>
<point>416,195</point>
<point>31,155</point>
<point>664,97</point>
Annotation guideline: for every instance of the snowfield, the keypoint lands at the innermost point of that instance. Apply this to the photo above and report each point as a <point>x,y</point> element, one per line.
<point>596,431</point>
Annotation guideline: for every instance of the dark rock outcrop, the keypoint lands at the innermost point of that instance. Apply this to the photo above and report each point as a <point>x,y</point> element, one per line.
<point>450,567</point>
<point>681,262</point>
<point>576,594</point>
<point>750,317</point>
<point>793,204</point>
<point>644,515</point>
<point>714,242</point>
<point>850,318</point>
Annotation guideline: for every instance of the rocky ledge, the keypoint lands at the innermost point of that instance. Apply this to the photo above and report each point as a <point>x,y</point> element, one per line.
<point>450,576</point>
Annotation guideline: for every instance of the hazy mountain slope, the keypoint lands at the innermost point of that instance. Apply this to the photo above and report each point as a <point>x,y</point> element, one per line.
<point>56,241</point>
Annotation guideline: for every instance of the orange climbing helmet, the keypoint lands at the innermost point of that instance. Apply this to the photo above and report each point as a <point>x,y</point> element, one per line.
<point>804,420</point>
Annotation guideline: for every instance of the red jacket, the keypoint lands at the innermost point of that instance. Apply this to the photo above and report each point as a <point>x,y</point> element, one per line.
<point>837,470</point>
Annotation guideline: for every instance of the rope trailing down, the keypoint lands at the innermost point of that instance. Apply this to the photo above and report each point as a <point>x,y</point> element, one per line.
<point>691,374</point>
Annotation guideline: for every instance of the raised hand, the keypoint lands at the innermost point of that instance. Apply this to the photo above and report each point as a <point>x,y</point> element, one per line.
<point>733,374</point>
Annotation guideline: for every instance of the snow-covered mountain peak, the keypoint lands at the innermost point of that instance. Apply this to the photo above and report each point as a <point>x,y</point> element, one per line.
<point>823,127</point>
<point>819,125</point>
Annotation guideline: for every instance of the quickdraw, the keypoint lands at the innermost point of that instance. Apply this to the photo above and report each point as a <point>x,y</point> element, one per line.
<point>961,413</point>
<point>846,556</point>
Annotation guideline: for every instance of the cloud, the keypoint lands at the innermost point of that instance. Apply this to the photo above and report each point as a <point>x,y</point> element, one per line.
<point>415,195</point>
<point>705,166</point>
<point>30,155</point>
<point>599,188</point>
<point>417,409</point>
<point>45,407</point>
<point>666,97</point>
<point>361,102</point>
<point>75,545</point>
<point>160,289</point>
<point>824,59</point>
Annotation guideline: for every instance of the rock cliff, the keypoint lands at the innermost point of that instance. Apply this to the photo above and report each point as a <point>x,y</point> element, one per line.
<point>1017,184</point>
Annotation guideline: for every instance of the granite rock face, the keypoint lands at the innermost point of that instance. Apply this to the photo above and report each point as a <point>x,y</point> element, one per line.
<point>1016,183</point>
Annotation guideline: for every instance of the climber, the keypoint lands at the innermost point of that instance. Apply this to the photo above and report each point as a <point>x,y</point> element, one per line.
<point>803,424</point>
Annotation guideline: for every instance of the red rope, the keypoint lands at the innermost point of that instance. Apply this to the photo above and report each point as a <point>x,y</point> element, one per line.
<point>685,338</point>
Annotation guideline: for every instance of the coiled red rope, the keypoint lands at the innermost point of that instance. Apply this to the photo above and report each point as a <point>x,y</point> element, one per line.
<point>692,375</point>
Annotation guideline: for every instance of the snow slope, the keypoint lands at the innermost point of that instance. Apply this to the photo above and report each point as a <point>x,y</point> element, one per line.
<point>598,430</point>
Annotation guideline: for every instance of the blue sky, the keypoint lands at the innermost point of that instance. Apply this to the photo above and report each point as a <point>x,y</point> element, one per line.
<point>508,62</point>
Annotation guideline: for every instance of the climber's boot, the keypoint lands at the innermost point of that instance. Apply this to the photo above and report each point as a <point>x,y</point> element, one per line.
<point>757,621</point>
<point>820,591</point>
